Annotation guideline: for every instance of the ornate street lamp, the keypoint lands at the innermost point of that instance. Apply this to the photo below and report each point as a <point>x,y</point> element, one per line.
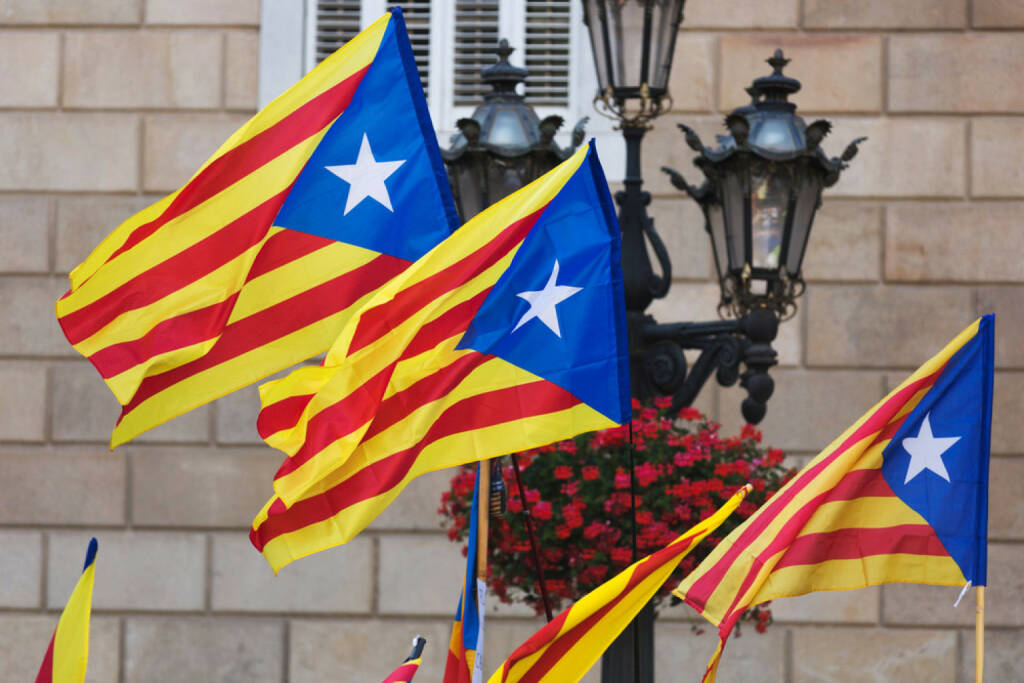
<point>504,145</point>
<point>762,188</point>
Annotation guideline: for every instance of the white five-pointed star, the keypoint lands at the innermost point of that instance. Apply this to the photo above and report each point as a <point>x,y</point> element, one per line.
<point>926,451</point>
<point>543,302</point>
<point>366,177</point>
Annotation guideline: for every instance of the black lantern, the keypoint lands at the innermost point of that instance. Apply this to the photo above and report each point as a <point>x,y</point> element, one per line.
<point>763,186</point>
<point>623,72</point>
<point>504,146</point>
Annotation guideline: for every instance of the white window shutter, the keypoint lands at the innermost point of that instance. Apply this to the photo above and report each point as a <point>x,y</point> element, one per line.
<point>337,22</point>
<point>548,53</point>
<point>476,36</point>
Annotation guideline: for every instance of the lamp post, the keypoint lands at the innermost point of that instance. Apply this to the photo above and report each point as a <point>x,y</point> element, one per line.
<point>504,145</point>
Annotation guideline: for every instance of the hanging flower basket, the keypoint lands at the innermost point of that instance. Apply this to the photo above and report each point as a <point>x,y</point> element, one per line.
<point>578,494</point>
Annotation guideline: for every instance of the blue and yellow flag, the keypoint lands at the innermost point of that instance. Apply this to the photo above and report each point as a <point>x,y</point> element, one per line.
<point>466,648</point>
<point>901,496</point>
<point>508,335</point>
<point>68,654</point>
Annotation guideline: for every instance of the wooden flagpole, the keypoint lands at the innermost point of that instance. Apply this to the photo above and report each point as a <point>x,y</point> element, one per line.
<point>482,518</point>
<point>979,636</point>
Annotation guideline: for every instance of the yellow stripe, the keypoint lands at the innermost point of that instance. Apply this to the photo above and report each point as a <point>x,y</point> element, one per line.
<point>352,57</point>
<point>861,513</point>
<point>71,640</point>
<point>575,663</point>
<point>450,451</point>
<point>873,570</point>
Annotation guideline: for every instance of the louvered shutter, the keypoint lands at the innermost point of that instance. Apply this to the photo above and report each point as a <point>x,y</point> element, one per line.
<point>548,28</point>
<point>338,21</point>
<point>476,36</point>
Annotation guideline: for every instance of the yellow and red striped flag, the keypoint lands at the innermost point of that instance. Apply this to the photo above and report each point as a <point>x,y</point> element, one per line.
<point>68,654</point>
<point>508,335</point>
<point>256,263</point>
<point>565,648</point>
<point>901,496</point>
<point>408,669</point>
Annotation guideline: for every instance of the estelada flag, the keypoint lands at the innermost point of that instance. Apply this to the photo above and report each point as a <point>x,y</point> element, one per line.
<point>901,496</point>
<point>256,263</point>
<point>565,648</point>
<point>408,669</point>
<point>508,335</point>
<point>66,658</point>
<point>466,645</point>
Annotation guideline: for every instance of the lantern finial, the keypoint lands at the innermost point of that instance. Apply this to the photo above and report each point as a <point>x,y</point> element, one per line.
<point>778,62</point>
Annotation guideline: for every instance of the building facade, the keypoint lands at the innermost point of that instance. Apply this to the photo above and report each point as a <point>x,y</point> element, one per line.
<point>107,105</point>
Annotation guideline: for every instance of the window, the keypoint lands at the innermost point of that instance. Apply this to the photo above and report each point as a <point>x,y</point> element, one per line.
<point>452,41</point>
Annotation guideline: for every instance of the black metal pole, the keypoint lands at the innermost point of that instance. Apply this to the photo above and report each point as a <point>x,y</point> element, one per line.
<point>533,540</point>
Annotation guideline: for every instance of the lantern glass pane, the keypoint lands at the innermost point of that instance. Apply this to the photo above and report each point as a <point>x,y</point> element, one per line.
<point>506,129</point>
<point>667,16</point>
<point>597,24</point>
<point>734,201</point>
<point>808,193</point>
<point>716,226</point>
<point>630,17</point>
<point>769,201</point>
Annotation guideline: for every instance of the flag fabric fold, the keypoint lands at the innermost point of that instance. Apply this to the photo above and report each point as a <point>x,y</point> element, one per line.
<point>564,649</point>
<point>901,496</point>
<point>258,260</point>
<point>68,654</point>
<point>408,669</point>
<point>466,647</point>
<point>508,335</point>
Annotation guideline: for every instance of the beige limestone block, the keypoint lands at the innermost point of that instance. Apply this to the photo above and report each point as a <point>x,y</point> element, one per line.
<point>30,327</point>
<point>809,408</point>
<point>838,72</point>
<point>203,12</point>
<point>69,151</point>
<point>844,14</point>
<point>419,574</point>
<point>200,487</point>
<point>902,157</point>
<point>680,224</point>
<point>70,11</point>
<point>997,147</point>
<point>23,411</point>
<point>682,654</point>
<point>142,69</point>
<point>21,555</point>
<point>978,242</point>
<point>415,509</point>
<point>136,570</point>
<point>692,79</point>
<point>1004,656</point>
<point>66,486</point>
<point>1005,504</point>
<point>83,222</point>
<point>29,76</point>
<point>973,72</point>
<point>1006,303</point>
<point>861,606</point>
<point>24,233</point>
<point>242,69</point>
<point>337,580</point>
<point>1007,408</point>
<point>845,242</point>
<point>840,655</point>
<point>872,326</point>
<point>25,637</point>
<point>997,14</point>
<point>364,649</point>
<point>189,649</point>
<point>176,145</point>
<point>717,14</point>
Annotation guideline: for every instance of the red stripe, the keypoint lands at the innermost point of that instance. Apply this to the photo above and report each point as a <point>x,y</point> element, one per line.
<point>240,161</point>
<point>869,483</point>
<point>354,410</point>
<point>173,333</point>
<point>851,544</point>
<point>381,319</point>
<point>477,412</point>
<point>876,422</point>
<point>558,646</point>
<point>177,271</point>
<point>281,414</point>
<point>45,674</point>
<point>285,317</point>
<point>284,247</point>
<point>402,674</point>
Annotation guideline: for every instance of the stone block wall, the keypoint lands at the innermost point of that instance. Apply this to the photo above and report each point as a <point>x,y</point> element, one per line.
<point>107,104</point>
